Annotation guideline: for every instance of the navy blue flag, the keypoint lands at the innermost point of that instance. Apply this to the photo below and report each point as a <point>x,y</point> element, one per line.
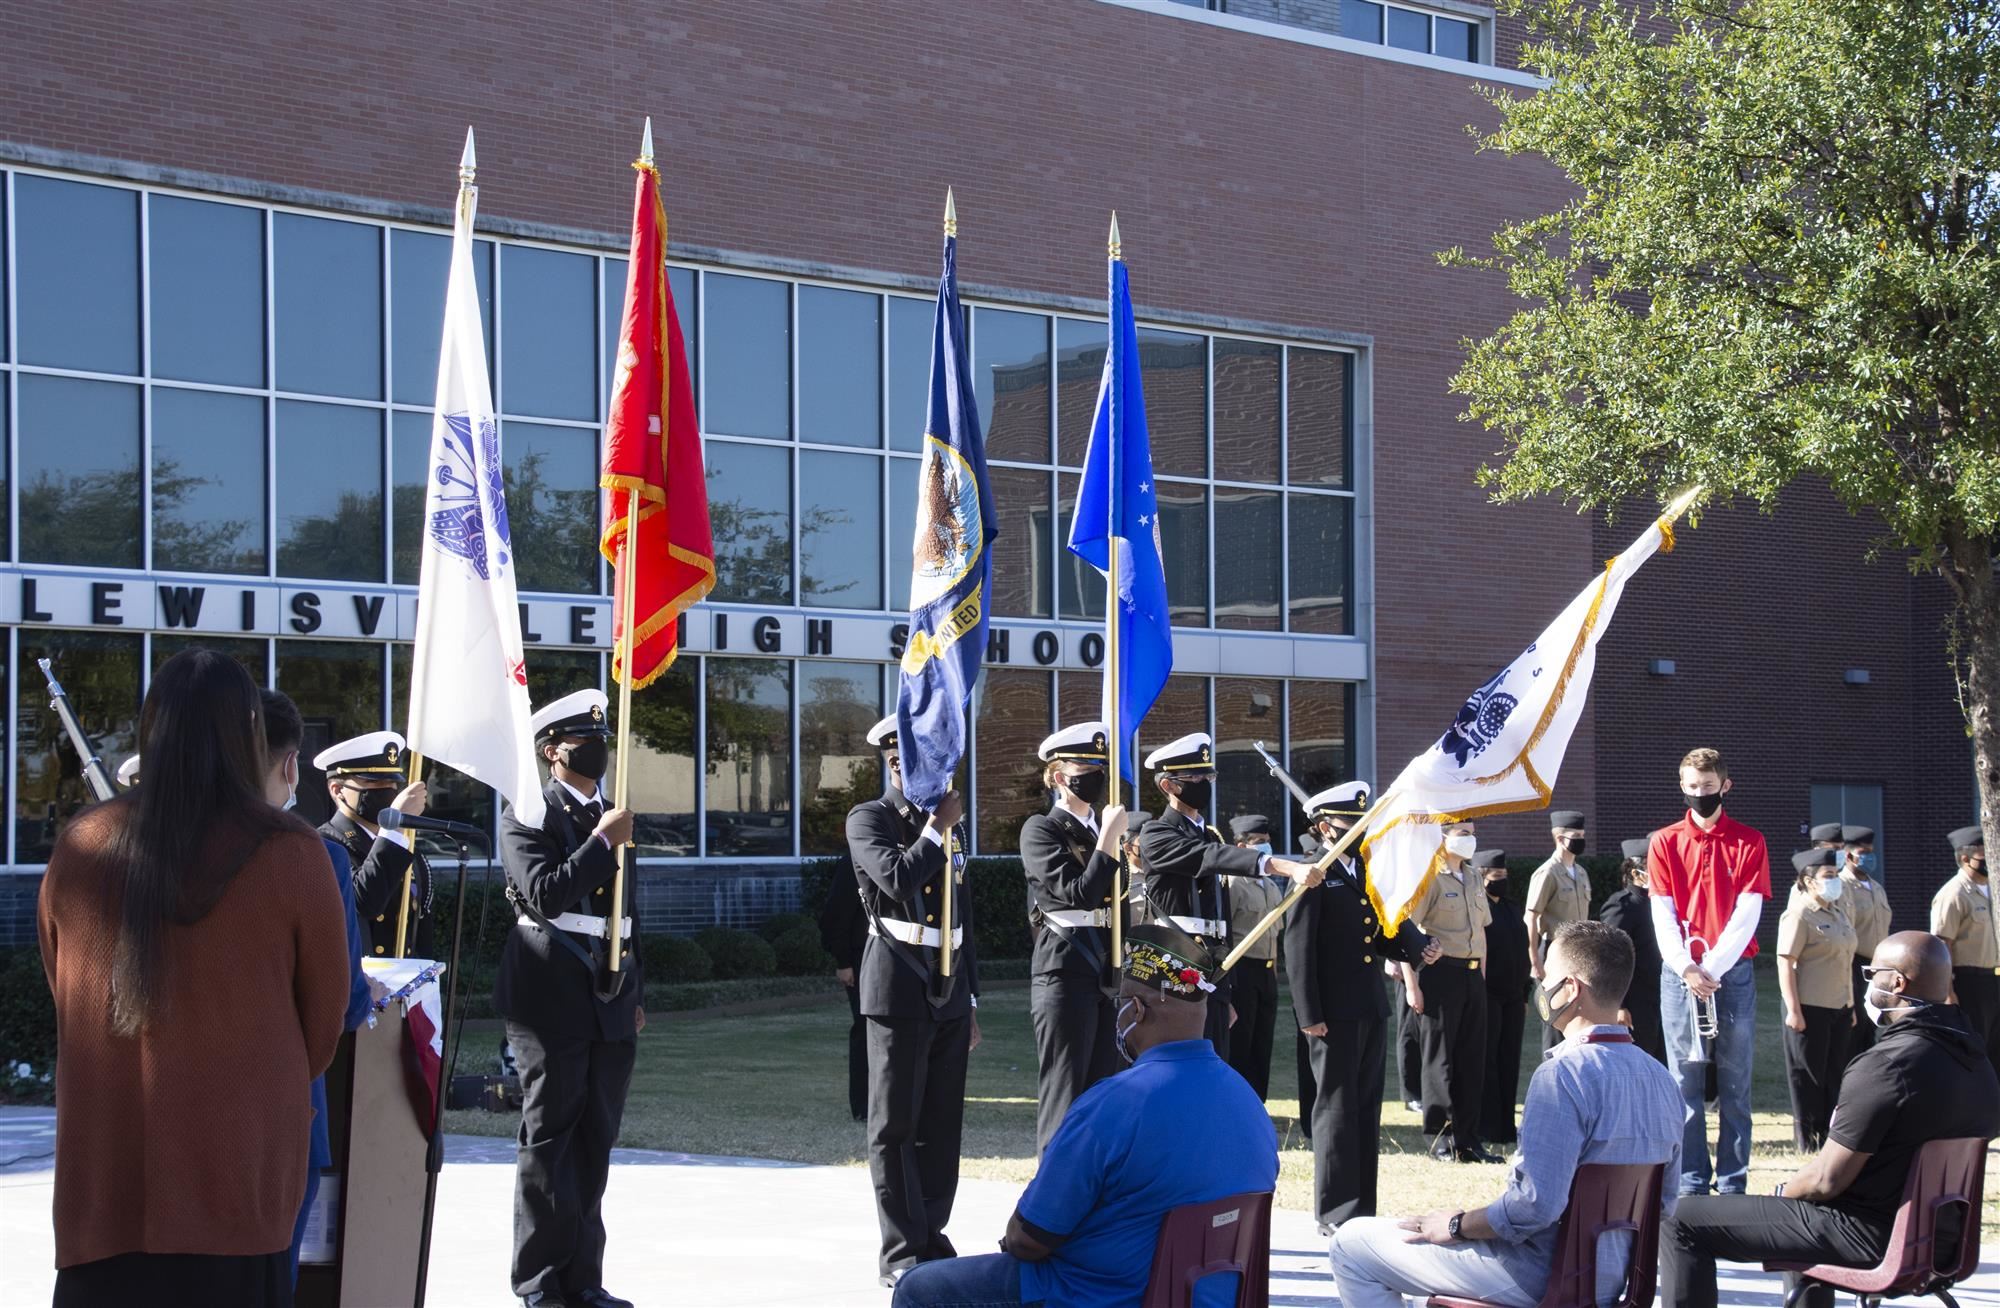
<point>1116,503</point>
<point>951,564</point>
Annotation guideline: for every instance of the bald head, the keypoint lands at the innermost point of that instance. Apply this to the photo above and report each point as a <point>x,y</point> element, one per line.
<point>1923,962</point>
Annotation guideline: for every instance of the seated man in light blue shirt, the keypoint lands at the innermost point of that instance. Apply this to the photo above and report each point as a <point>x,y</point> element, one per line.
<point>1177,1127</point>
<point>1596,1098</point>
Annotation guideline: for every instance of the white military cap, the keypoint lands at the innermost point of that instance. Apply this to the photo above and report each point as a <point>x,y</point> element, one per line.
<point>1348,799</point>
<point>1193,752</point>
<point>1087,742</point>
<point>379,753</point>
<point>580,713</point>
<point>883,734</point>
<point>128,772</point>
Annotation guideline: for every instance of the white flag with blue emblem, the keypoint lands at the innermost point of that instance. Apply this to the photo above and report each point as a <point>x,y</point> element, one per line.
<point>1503,750</point>
<point>469,679</point>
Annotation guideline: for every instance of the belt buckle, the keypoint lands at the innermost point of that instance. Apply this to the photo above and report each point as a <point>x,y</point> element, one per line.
<point>1472,964</point>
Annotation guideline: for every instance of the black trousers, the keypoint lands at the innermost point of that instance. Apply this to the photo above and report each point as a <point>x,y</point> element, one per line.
<point>1347,1066</point>
<point>1217,1031</point>
<point>1814,1059</point>
<point>1979,999</point>
<point>916,1113</point>
<point>572,1098</point>
<point>857,1056</point>
<point>1454,1039</point>
<point>1256,999</point>
<point>1752,1229</point>
<point>1308,1085</point>
<point>1074,1050</point>
<point>178,1281</point>
<point>1505,1020</point>
<point>1644,1006</point>
<point>1409,1047</point>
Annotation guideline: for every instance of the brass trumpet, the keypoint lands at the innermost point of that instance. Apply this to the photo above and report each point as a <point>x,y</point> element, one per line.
<point>1704,1009</point>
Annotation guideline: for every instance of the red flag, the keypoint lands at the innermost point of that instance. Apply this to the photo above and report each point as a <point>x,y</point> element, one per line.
<point>423,1053</point>
<point>652,446</point>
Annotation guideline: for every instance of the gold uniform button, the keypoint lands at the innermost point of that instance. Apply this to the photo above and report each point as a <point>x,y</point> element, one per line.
<point>600,890</point>
<point>930,890</point>
<point>930,917</point>
<point>1270,962</point>
<point>381,917</point>
<point>1368,958</point>
<point>380,950</point>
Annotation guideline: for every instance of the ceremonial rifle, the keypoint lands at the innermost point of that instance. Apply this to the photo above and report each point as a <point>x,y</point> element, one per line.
<point>1278,771</point>
<point>94,774</point>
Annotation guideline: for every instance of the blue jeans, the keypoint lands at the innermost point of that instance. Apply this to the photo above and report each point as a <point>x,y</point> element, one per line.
<point>1734,1051</point>
<point>982,1281</point>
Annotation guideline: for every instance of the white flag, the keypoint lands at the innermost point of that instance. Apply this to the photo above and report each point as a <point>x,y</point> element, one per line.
<point>1501,753</point>
<point>469,679</point>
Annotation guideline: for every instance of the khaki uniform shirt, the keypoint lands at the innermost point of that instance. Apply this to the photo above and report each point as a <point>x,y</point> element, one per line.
<point>1250,900</point>
<point>1867,905</point>
<point>1559,895</point>
<point>1962,915</point>
<point>1455,914</point>
<point>1820,940</point>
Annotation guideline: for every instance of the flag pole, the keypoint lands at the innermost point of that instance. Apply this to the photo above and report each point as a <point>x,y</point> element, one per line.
<point>945,951</point>
<point>1324,862</point>
<point>1114,701</point>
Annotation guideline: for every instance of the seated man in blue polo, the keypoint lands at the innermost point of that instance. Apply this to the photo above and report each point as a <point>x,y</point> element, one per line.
<point>1177,1127</point>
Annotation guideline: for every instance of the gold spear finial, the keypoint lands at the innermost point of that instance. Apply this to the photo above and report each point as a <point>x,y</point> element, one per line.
<point>468,164</point>
<point>646,145</point>
<point>950,214</point>
<point>1115,245</point>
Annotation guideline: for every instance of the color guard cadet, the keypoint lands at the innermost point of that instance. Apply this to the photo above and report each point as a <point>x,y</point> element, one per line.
<point>1867,903</point>
<point>1559,892</point>
<point>1070,858</point>
<point>364,776</point>
<point>1962,915</point>
<point>1186,860</point>
<point>1333,945</point>
<point>843,933</point>
<point>921,1022</point>
<point>573,1023</point>
<point>1251,900</point>
<point>1450,999</point>
<point>1630,909</point>
<point>1507,983</point>
<point>1815,978</point>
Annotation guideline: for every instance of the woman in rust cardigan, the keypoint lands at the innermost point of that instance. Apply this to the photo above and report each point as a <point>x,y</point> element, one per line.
<point>194,943</point>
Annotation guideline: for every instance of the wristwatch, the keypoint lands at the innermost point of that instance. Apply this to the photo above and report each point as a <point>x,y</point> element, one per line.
<point>1451,1227</point>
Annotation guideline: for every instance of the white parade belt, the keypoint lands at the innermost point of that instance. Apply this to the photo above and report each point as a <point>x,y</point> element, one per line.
<point>912,934</point>
<point>1201,926</point>
<point>1078,917</point>
<point>584,924</point>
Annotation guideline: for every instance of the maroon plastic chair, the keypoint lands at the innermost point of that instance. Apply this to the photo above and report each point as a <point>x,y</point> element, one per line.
<point>1201,1240</point>
<point>1946,1175</point>
<point>1602,1197</point>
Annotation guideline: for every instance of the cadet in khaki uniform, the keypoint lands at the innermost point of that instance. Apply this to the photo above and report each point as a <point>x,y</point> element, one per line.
<point>1256,989</point>
<point>1559,892</point>
<point>1449,996</point>
<point>1962,916</point>
<point>1815,962</point>
<point>1867,903</point>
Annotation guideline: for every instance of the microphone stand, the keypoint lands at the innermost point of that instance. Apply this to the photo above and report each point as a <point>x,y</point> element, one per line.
<point>447,1056</point>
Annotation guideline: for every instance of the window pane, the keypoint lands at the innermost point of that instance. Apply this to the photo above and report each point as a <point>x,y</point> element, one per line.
<point>750,514</point>
<point>329,307</point>
<point>909,370</point>
<point>251,652</point>
<point>208,481</point>
<point>76,257</point>
<point>409,471</point>
<point>1184,538</point>
<point>208,291</point>
<point>548,307</point>
<point>552,506</point>
<point>1248,710</point>
<point>419,263</point>
<point>1249,539</point>
<point>663,756</point>
<point>1322,563</point>
<point>838,768</point>
<point>1313,15</point>
<point>101,676</point>
<point>1174,366</point>
<point>1082,585</point>
<point>1182,707</point>
<point>6,499</point>
<point>1021,554</point>
<point>749,355</point>
<point>1080,346</point>
<point>81,485</point>
<point>1458,40</point>
<point>329,491</point>
<point>1011,719</point>
<point>611,303</point>
<point>1320,413</point>
<point>3,271</point>
<point>338,688</point>
<point>1361,20</point>
<point>1409,30</point>
<point>749,757</point>
<point>840,366</point>
<point>900,529</point>
<point>1010,373</point>
<point>1321,754</point>
<point>840,530</point>
<point>1246,410</point>
<point>680,283</point>
<point>455,797</point>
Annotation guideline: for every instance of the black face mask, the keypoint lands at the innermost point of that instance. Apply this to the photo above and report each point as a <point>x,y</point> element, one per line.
<point>590,759</point>
<point>1703,805</point>
<point>1497,889</point>
<point>1088,787</point>
<point>370,803</point>
<point>1196,794</point>
<point>1574,844</point>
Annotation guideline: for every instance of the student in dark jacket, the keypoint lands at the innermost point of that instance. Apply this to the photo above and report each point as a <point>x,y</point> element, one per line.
<point>843,930</point>
<point>364,776</point>
<point>1507,981</point>
<point>1631,911</point>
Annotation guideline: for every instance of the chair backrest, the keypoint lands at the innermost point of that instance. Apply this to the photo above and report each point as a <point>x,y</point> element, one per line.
<point>1607,1197</point>
<point>1202,1240</point>
<point>1947,1176</point>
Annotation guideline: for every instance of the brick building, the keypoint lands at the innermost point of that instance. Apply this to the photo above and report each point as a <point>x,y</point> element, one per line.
<point>222,281</point>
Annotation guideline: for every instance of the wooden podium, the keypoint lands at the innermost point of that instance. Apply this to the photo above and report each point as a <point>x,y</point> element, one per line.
<point>379,1152</point>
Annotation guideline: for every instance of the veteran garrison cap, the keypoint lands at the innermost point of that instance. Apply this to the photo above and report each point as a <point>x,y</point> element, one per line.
<point>1807,859</point>
<point>1086,742</point>
<point>1825,831</point>
<point>578,714</point>
<point>1857,835</point>
<point>1348,799</point>
<point>128,772</point>
<point>1566,817</point>
<point>1250,824</point>
<point>883,734</point>
<point>1161,954</point>
<point>1194,752</point>
<point>1968,838</point>
<point>1636,849</point>
<point>377,754</point>
<point>1489,858</point>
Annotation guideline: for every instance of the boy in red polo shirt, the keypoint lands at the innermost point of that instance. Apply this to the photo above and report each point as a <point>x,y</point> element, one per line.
<point>1711,876</point>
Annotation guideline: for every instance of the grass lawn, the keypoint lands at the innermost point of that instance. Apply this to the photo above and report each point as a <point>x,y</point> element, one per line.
<point>774,1086</point>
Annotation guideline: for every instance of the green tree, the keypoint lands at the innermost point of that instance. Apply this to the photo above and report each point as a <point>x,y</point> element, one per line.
<point>1777,261</point>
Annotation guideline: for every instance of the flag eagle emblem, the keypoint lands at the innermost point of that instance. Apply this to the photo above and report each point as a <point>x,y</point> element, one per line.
<point>466,495</point>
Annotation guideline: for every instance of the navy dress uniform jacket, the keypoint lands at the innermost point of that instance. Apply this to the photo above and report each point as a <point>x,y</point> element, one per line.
<point>1065,870</point>
<point>1334,949</point>
<point>379,863</point>
<point>900,874</point>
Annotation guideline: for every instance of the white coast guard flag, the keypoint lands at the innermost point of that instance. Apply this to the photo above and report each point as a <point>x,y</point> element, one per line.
<point>1502,751</point>
<point>469,680</point>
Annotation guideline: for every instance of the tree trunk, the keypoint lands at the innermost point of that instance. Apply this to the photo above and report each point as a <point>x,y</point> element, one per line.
<point>1978,592</point>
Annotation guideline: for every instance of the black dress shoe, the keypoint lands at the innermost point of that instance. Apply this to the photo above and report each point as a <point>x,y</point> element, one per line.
<point>546,1299</point>
<point>601,1298</point>
<point>1441,1149</point>
<point>1476,1156</point>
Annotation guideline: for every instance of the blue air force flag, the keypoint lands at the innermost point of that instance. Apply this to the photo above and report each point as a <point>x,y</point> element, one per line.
<point>1116,507</point>
<point>951,564</point>
<point>468,676</point>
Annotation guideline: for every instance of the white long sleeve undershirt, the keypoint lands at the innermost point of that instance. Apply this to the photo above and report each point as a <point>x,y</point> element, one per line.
<point>1724,952</point>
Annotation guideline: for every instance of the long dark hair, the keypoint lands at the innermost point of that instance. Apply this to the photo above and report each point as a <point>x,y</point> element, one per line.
<point>201,734</point>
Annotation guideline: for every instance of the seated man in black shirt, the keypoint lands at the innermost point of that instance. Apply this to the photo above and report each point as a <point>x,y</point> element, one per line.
<point>1924,1079</point>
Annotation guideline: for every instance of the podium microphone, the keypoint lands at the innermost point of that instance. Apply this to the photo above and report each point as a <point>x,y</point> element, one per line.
<point>394,819</point>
